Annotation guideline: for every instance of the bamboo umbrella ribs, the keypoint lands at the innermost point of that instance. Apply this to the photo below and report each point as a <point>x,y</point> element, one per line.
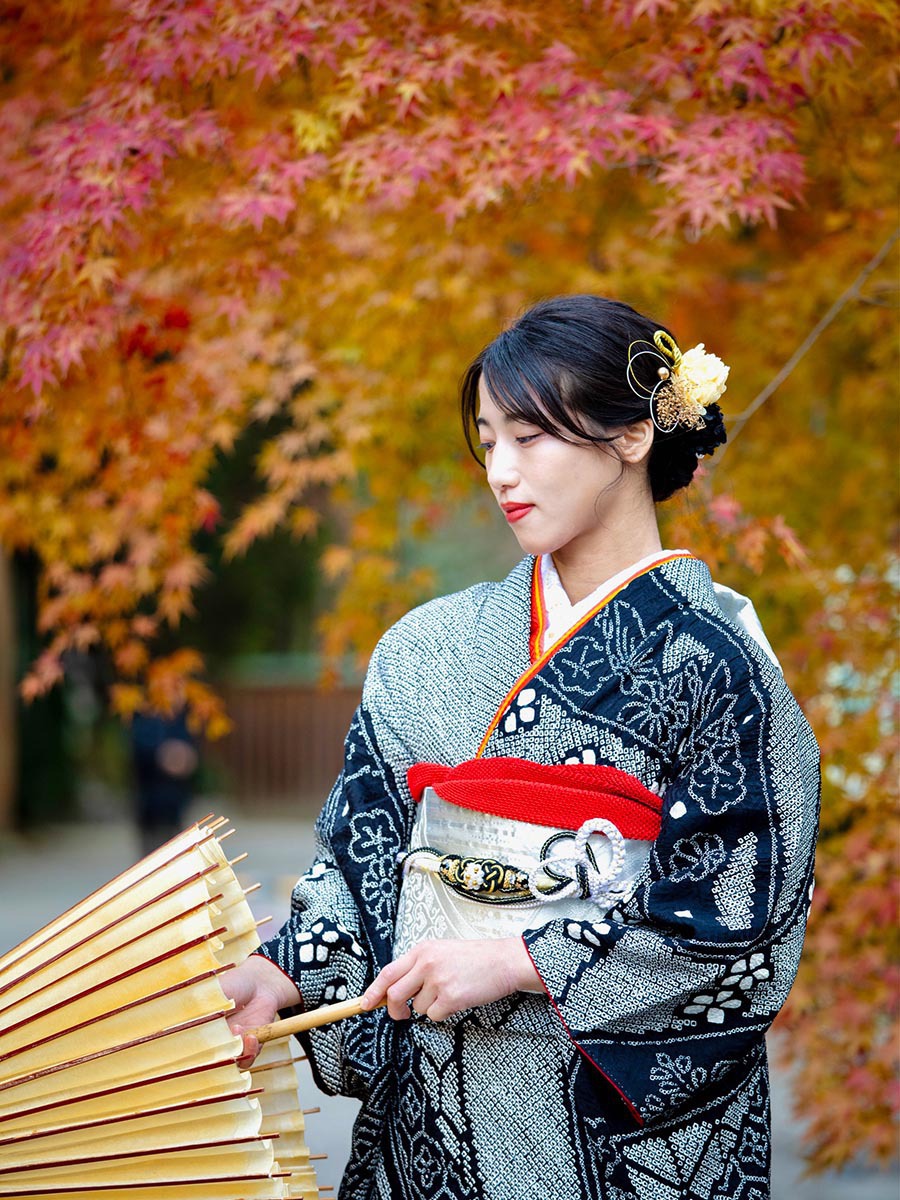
<point>118,1071</point>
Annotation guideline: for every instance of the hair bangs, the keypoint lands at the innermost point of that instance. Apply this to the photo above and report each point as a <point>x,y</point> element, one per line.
<point>527,387</point>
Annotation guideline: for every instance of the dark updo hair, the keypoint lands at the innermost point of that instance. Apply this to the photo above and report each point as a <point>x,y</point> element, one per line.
<point>562,366</point>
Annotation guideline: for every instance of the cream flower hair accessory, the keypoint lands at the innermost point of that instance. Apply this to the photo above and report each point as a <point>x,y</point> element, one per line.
<point>688,383</point>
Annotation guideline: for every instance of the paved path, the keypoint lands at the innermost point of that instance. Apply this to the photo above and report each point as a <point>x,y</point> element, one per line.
<point>41,876</point>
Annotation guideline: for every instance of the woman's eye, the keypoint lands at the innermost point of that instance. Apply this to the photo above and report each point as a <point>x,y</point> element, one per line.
<point>485,446</point>
<point>530,437</point>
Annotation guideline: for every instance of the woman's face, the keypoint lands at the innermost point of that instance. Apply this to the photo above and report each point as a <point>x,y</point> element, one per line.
<point>552,492</point>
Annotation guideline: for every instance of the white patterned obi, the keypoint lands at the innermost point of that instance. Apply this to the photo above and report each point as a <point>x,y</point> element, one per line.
<point>491,853</point>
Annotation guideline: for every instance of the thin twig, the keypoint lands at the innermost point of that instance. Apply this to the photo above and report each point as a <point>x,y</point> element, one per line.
<point>737,423</point>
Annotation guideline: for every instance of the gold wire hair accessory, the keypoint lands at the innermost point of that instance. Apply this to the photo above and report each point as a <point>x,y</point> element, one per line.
<point>688,383</point>
<point>669,347</point>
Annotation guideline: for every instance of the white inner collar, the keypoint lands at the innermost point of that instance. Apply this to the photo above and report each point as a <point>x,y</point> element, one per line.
<point>562,614</point>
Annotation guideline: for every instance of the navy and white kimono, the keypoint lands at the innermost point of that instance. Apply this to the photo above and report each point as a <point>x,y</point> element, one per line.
<point>641,1073</point>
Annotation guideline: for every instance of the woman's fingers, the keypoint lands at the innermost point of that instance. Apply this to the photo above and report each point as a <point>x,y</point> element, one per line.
<point>424,999</point>
<point>440,1010</point>
<point>250,1047</point>
<point>443,977</point>
<point>404,989</point>
<point>397,983</point>
<point>385,979</point>
<point>377,989</point>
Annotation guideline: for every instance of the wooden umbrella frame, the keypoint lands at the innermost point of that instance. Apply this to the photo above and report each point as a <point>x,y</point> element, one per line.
<point>119,1074</point>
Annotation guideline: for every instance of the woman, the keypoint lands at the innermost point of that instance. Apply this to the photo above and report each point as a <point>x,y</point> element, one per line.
<point>606,695</point>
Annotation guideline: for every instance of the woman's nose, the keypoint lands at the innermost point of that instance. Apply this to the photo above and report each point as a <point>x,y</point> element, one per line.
<point>502,468</point>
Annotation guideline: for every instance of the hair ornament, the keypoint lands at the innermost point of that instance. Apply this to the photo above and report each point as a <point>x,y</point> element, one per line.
<point>688,383</point>
<point>668,346</point>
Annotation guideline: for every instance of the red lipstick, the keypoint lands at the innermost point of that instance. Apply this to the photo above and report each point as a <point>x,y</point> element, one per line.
<point>515,512</point>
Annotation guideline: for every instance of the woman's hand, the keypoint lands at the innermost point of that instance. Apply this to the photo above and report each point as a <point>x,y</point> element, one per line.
<point>259,990</point>
<point>448,975</point>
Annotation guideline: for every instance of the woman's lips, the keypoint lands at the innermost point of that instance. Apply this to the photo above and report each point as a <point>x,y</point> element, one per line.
<point>515,512</point>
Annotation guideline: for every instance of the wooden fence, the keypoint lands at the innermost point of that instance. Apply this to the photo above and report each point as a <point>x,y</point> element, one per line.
<point>287,744</point>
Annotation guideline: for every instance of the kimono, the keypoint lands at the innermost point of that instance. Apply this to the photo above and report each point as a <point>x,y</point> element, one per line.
<point>641,1073</point>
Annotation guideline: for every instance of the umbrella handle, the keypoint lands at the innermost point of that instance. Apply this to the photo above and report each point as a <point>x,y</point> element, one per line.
<point>310,1020</point>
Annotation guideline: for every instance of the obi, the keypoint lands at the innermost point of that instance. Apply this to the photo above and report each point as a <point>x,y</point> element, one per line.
<point>502,845</point>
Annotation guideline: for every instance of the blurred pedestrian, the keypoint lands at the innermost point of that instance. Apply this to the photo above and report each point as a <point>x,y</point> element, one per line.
<point>165,759</point>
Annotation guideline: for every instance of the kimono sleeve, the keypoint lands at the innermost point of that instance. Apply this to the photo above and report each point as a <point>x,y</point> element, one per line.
<point>338,935</point>
<point>673,991</point>
<point>320,947</point>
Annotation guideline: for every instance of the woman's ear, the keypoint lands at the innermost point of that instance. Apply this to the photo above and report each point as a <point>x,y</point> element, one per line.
<point>634,441</point>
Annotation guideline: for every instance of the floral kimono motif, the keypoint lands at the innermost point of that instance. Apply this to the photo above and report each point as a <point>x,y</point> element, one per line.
<point>642,1072</point>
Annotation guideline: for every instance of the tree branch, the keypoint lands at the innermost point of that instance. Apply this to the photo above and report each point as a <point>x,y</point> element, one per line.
<point>738,422</point>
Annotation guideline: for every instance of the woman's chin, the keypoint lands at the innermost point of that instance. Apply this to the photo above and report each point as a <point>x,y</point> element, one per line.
<point>533,543</point>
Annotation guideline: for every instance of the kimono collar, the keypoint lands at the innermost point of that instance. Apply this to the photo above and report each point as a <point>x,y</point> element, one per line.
<point>562,614</point>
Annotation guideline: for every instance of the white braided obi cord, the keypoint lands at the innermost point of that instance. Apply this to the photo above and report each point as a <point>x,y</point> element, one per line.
<point>555,873</point>
<point>580,868</point>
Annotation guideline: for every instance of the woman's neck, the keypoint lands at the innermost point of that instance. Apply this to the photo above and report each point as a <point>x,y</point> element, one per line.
<point>583,565</point>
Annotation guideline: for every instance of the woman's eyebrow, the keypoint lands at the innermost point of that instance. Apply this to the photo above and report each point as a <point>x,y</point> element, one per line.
<point>504,418</point>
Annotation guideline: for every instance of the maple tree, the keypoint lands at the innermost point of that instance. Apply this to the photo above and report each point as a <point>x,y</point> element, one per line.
<point>217,214</point>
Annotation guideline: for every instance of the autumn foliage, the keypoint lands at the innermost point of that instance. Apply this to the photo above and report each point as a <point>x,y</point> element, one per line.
<point>218,212</point>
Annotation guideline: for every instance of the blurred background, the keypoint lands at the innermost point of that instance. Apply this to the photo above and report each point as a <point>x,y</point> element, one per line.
<point>247,251</point>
